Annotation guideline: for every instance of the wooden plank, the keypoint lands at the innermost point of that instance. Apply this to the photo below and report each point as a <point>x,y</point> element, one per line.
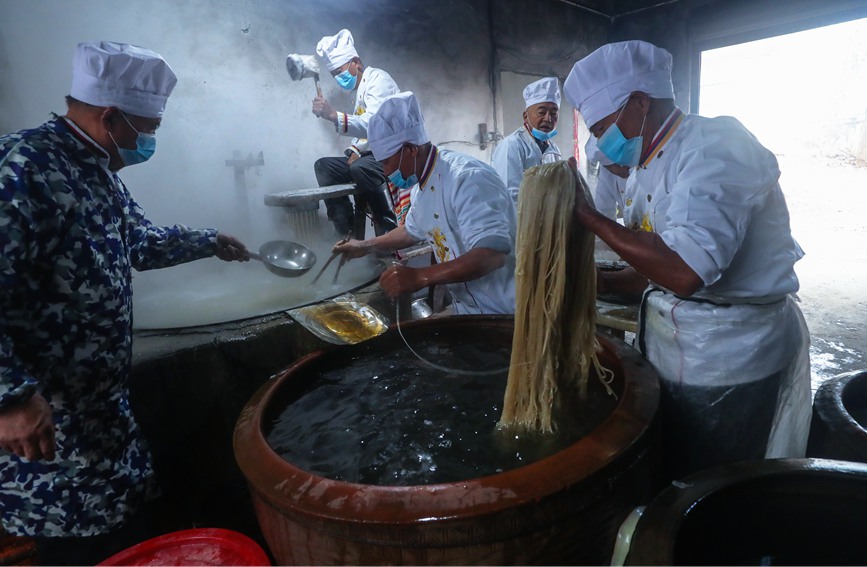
<point>300,196</point>
<point>614,316</point>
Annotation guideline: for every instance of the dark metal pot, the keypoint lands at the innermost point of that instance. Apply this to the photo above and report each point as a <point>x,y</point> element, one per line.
<point>837,430</point>
<point>772,512</point>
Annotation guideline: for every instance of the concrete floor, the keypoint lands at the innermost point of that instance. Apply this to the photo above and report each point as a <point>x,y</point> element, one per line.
<point>827,199</point>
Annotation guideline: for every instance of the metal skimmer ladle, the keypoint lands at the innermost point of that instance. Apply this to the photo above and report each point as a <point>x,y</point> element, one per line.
<point>285,258</point>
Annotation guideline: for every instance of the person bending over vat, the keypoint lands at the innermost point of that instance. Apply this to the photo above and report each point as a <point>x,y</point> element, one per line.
<point>531,144</point>
<point>460,207</point>
<point>74,468</point>
<point>707,228</point>
<point>358,165</point>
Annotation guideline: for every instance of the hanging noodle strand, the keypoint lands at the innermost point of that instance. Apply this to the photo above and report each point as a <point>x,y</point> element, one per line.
<point>554,344</point>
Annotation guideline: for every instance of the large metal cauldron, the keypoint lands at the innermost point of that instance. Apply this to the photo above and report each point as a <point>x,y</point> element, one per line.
<point>564,509</point>
<point>210,292</point>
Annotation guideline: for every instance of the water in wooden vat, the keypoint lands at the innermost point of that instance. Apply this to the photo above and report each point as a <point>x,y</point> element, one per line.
<point>391,420</point>
<point>562,509</point>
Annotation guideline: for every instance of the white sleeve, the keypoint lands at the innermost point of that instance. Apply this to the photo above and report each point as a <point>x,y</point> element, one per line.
<point>379,87</point>
<point>723,175</point>
<point>410,224</point>
<point>483,211</point>
<point>508,161</point>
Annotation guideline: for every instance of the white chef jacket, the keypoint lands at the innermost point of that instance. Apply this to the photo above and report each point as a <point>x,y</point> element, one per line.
<point>376,85</point>
<point>459,204</point>
<point>712,194</point>
<point>608,196</point>
<point>516,153</point>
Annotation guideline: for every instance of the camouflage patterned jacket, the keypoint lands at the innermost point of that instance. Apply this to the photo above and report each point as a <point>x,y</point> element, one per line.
<point>70,233</point>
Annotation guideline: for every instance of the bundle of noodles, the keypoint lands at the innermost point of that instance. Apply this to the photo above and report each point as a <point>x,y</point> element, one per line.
<point>554,343</point>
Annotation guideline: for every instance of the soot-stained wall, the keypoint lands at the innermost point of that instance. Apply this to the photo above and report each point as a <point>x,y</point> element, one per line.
<point>234,92</point>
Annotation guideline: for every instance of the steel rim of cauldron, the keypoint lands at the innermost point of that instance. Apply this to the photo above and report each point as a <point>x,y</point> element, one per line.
<point>285,258</point>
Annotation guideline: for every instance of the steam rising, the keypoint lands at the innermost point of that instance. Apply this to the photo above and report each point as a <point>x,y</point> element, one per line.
<point>233,94</point>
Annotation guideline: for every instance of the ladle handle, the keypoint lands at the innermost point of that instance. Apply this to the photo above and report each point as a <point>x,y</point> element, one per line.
<point>254,256</point>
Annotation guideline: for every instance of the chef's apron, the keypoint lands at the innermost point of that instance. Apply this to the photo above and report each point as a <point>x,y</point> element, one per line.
<point>734,378</point>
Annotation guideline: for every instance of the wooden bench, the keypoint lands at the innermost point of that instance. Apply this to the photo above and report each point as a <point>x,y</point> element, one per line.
<point>303,196</point>
<point>616,318</point>
<point>295,197</point>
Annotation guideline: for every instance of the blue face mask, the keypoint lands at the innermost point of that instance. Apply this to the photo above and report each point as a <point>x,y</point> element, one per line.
<point>346,80</point>
<point>396,176</point>
<point>145,146</point>
<point>543,136</point>
<point>617,148</point>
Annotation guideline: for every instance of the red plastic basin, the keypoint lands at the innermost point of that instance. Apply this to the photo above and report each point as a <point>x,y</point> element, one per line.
<point>203,546</point>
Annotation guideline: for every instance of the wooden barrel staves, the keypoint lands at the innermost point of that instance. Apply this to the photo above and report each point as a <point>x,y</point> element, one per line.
<point>563,509</point>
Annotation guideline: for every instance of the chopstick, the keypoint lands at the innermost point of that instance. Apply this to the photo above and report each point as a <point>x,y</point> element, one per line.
<point>337,273</point>
<point>333,256</point>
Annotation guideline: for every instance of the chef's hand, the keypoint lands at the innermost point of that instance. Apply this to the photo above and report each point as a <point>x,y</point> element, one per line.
<point>351,248</point>
<point>620,171</point>
<point>322,109</point>
<point>352,157</point>
<point>583,207</point>
<point>230,249</point>
<point>27,429</point>
<point>399,279</point>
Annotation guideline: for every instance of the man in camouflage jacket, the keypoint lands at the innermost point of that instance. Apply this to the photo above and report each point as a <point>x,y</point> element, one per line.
<point>73,463</point>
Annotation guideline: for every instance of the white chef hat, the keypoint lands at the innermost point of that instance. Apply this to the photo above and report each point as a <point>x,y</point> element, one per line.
<point>136,80</point>
<point>337,50</point>
<point>543,90</point>
<point>601,83</point>
<point>397,122</point>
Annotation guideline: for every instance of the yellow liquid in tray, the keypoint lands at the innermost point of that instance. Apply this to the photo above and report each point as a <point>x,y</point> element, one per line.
<point>351,325</point>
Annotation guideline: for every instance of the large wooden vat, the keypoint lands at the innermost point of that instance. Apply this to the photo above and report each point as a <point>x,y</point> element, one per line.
<point>564,509</point>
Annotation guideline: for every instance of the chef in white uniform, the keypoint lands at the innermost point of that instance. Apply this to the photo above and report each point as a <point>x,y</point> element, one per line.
<point>610,181</point>
<point>459,205</point>
<point>532,143</point>
<point>707,228</point>
<point>357,165</point>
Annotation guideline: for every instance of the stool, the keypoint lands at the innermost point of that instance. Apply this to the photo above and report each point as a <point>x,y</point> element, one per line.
<point>297,197</point>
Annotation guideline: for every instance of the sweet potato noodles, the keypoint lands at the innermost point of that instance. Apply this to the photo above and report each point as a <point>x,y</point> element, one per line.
<point>555,328</point>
